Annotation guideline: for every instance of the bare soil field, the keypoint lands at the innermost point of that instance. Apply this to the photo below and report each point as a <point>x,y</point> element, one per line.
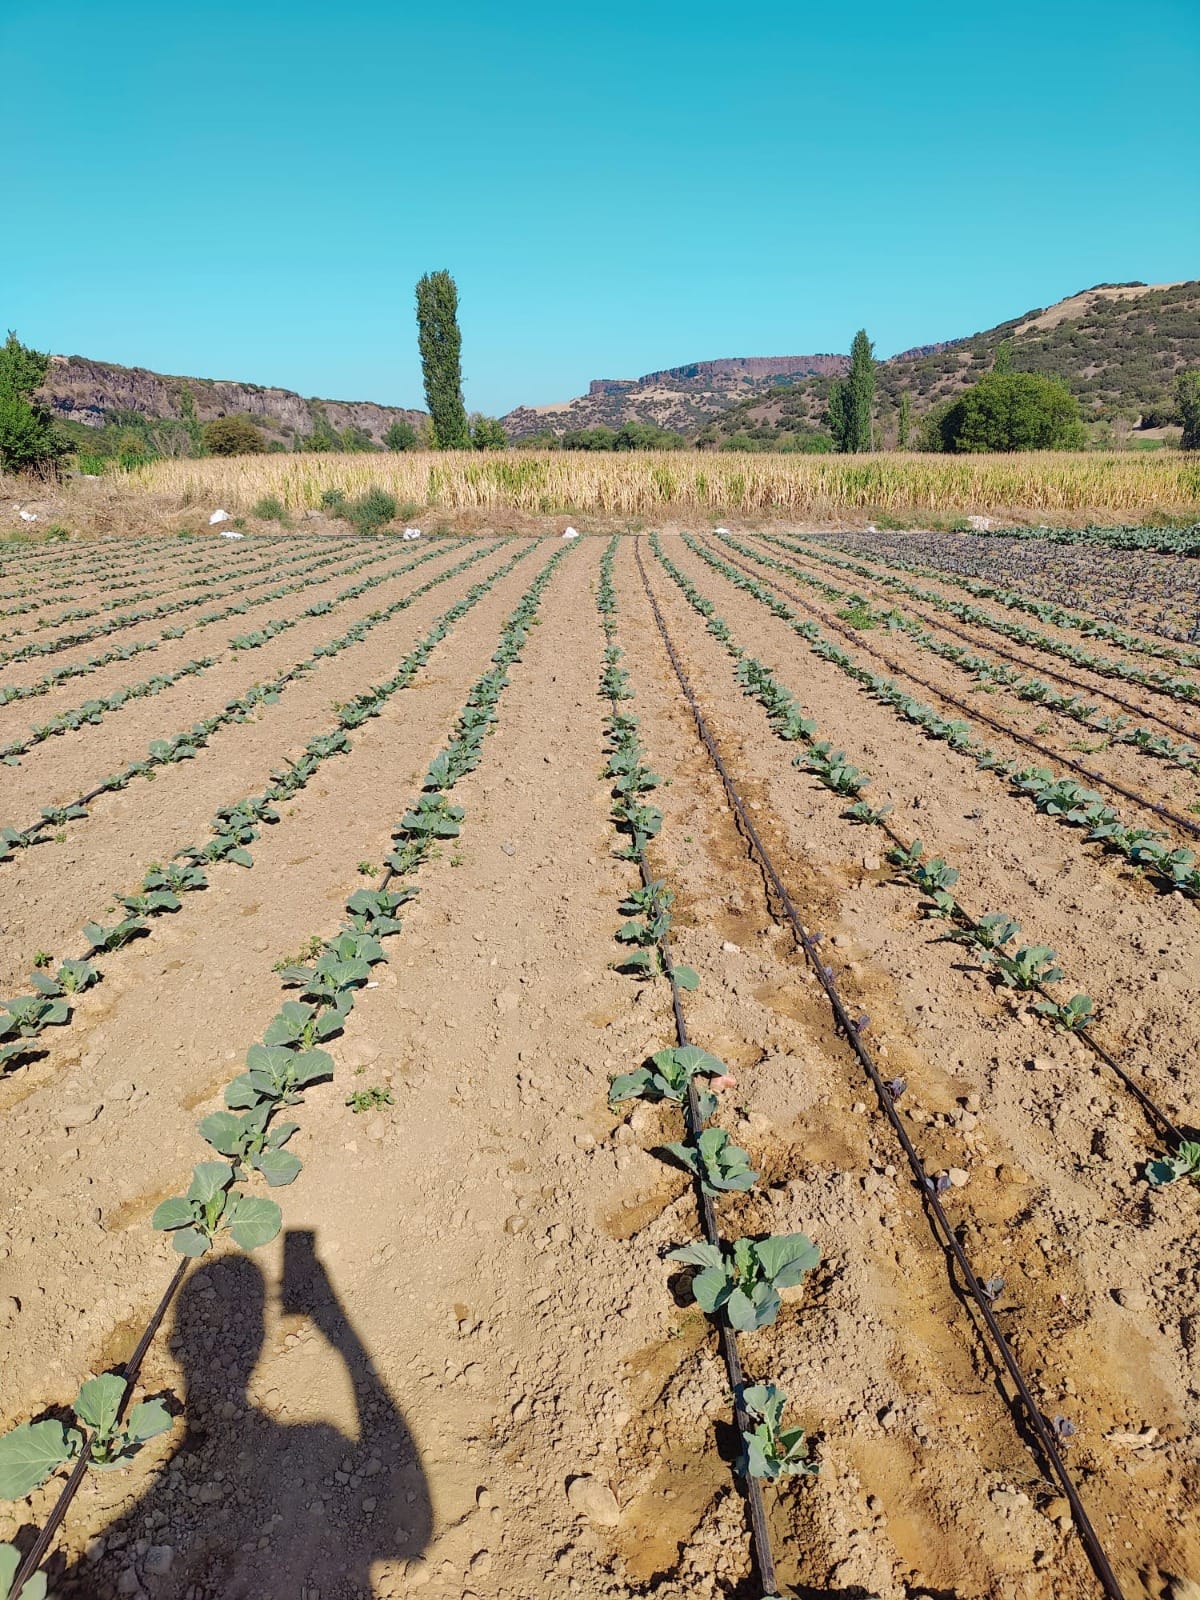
<point>442,851</point>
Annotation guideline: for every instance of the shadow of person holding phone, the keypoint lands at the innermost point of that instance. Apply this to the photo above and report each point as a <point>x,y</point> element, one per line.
<point>250,1508</point>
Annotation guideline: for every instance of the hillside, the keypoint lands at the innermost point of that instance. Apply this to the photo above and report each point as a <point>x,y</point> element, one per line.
<point>83,391</point>
<point>1117,347</point>
<point>680,398</point>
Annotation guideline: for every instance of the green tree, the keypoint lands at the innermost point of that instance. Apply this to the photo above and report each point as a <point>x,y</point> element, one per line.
<point>401,436</point>
<point>1003,362</point>
<point>356,438</point>
<point>232,436</point>
<point>324,438</point>
<point>191,423</point>
<point>1008,411</point>
<point>852,399</point>
<point>487,433</point>
<point>29,440</point>
<point>904,421</point>
<point>1187,397</point>
<point>440,344</point>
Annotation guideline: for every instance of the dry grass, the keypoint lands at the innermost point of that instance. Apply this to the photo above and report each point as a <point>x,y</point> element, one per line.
<point>1127,485</point>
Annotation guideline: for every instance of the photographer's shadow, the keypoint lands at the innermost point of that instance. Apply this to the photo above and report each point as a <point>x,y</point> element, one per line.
<point>250,1508</point>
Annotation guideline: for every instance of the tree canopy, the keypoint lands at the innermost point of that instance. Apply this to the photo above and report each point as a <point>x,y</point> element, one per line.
<point>1006,411</point>
<point>232,436</point>
<point>29,440</point>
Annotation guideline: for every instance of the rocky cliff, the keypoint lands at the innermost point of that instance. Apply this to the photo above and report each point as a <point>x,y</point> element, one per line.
<point>83,390</point>
<point>680,398</point>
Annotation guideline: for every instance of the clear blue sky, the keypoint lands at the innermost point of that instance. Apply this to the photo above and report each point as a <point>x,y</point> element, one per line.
<point>250,188</point>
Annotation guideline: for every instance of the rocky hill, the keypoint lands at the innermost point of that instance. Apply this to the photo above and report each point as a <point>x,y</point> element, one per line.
<point>84,391</point>
<point>1118,347</point>
<point>680,398</point>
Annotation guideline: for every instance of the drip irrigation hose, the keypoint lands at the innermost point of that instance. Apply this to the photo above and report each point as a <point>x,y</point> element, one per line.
<point>40,1546</point>
<point>1154,1111</point>
<point>852,1031</point>
<point>1008,655</point>
<point>1184,823</point>
<point>760,1537</point>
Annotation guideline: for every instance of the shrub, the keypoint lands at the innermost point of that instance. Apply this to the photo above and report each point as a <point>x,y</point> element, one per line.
<point>372,510</point>
<point>401,436</point>
<point>232,436</point>
<point>1007,411</point>
<point>1187,391</point>
<point>271,509</point>
<point>487,434</point>
<point>333,499</point>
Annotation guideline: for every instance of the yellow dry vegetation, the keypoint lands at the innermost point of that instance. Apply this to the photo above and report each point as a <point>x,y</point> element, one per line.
<point>645,483</point>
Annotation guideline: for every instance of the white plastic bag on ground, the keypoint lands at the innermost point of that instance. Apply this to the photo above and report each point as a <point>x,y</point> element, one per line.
<point>570,533</point>
<point>231,533</point>
<point>411,533</point>
<point>219,516</point>
<point>27,516</point>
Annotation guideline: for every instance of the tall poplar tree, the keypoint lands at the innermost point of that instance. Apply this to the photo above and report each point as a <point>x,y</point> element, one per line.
<point>441,360</point>
<point>852,399</point>
<point>904,425</point>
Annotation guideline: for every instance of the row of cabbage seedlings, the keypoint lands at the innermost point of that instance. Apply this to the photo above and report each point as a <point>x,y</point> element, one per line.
<point>219,587</point>
<point>1047,611</point>
<point>992,938</point>
<point>235,827</point>
<point>184,746</point>
<point>1071,803</point>
<point>163,580</point>
<point>53,568</point>
<point>126,652</point>
<point>736,1283</point>
<point>94,711</point>
<point>1182,689</point>
<point>188,568</point>
<point>989,672</point>
<point>251,1134</point>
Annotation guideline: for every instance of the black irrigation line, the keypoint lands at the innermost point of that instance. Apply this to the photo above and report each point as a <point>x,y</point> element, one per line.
<point>1154,1111</point>
<point>129,1372</point>
<point>904,604</point>
<point>760,1536</point>
<point>852,1031</point>
<point>852,636</point>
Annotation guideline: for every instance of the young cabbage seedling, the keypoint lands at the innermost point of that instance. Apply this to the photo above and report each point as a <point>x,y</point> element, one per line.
<point>211,1206</point>
<point>668,1076</point>
<point>276,1075</point>
<point>744,1279</point>
<point>249,1140</point>
<point>30,1453</point>
<point>720,1165</point>
<point>772,1451</point>
<point>1033,964</point>
<point>1185,1163</point>
<point>1073,1014</point>
<point>33,1588</point>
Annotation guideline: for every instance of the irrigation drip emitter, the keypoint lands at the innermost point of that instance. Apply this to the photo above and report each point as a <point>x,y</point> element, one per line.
<point>852,1029</point>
